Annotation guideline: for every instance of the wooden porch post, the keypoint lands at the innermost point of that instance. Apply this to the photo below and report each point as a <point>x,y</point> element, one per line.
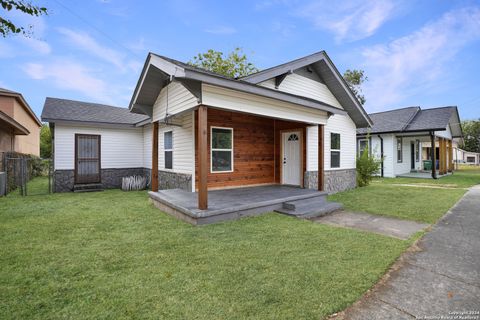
<point>450,155</point>
<point>154,175</point>
<point>445,160</point>
<point>440,154</point>
<point>433,155</point>
<point>321,162</point>
<point>202,158</point>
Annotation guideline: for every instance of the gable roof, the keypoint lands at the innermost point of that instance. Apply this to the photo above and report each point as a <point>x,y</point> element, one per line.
<point>414,119</point>
<point>323,65</point>
<point>158,71</point>
<point>55,110</point>
<point>19,97</point>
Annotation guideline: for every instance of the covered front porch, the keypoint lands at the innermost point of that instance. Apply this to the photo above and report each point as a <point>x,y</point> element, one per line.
<point>424,160</point>
<point>229,204</point>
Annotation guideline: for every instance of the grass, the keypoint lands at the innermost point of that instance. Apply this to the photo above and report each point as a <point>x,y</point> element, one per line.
<point>385,197</point>
<point>36,186</point>
<point>113,255</point>
<point>466,177</point>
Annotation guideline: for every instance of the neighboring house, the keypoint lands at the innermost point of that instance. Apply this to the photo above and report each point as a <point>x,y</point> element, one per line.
<point>466,157</point>
<point>293,124</point>
<point>19,126</point>
<point>404,138</point>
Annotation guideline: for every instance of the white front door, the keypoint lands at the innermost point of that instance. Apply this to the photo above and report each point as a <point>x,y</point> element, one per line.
<point>291,158</point>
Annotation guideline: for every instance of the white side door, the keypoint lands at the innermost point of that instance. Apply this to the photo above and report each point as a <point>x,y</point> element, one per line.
<point>291,158</point>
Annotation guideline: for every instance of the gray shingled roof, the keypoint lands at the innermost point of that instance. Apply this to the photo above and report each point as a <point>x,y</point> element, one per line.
<point>56,109</point>
<point>412,119</point>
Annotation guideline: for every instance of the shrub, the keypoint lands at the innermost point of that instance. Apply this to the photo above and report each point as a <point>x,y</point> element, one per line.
<point>367,167</point>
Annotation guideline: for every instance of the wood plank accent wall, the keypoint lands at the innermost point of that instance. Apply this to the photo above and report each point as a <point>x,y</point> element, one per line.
<point>450,156</point>
<point>256,148</point>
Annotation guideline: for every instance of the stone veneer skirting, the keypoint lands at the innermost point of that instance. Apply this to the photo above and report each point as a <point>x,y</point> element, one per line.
<point>111,178</point>
<point>64,180</point>
<point>335,180</point>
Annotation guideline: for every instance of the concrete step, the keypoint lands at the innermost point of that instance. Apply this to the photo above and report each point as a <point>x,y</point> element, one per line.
<point>304,203</point>
<point>89,187</point>
<point>309,208</point>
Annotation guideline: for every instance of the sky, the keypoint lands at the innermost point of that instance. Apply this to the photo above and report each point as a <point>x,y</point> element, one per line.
<point>414,53</point>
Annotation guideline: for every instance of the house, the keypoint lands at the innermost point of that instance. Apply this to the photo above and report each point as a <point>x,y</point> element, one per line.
<point>19,126</point>
<point>194,130</point>
<point>404,139</point>
<point>466,157</point>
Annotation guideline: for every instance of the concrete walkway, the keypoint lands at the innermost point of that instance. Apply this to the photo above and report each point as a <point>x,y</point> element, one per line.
<point>402,229</point>
<point>441,278</point>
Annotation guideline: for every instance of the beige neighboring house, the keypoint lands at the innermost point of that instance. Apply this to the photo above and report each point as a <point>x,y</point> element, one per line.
<point>19,126</point>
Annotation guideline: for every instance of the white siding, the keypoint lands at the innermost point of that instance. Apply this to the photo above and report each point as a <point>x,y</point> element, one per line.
<point>302,86</point>
<point>404,166</point>
<point>179,99</point>
<point>347,130</point>
<point>250,103</point>
<point>120,148</point>
<point>183,146</point>
<point>388,153</point>
<point>147,146</point>
<point>444,134</point>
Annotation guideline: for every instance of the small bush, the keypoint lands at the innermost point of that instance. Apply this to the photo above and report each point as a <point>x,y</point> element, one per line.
<point>367,167</point>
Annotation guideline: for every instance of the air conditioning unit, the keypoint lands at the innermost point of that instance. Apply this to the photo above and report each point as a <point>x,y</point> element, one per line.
<point>3,183</point>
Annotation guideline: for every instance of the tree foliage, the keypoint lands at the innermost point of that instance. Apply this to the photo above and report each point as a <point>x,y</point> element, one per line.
<point>355,79</point>
<point>7,26</point>
<point>471,134</point>
<point>45,142</point>
<point>367,166</point>
<point>234,65</point>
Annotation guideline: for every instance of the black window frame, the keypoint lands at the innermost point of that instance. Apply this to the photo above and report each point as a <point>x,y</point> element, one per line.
<point>335,151</point>
<point>168,151</point>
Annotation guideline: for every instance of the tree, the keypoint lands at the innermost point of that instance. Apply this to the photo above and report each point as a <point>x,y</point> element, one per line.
<point>355,79</point>
<point>234,65</point>
<point>7,26</point>
<point>45,142</point>
<point>471,134</point>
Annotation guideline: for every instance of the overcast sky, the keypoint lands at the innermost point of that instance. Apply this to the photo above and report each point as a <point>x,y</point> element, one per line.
<point>424,53</point>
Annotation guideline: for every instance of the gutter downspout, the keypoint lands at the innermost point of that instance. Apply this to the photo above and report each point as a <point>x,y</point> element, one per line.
<point>381,152</point>
<point>433,152</point>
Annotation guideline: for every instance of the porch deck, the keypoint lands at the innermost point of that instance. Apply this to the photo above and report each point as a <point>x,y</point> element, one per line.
<point>229,204</point>
<point>422,175</point>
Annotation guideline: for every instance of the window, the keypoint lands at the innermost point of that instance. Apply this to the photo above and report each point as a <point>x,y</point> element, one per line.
<point>417,150</point>
<point>334,150</point>
<point>399,150</point>
<point>221,149</point>
<point>471,159</point>
<point>168,149</point>
<point>362,145</point>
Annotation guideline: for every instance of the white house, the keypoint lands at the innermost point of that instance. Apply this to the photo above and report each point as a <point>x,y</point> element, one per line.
<point>191,129</point>
<point>403,138</point>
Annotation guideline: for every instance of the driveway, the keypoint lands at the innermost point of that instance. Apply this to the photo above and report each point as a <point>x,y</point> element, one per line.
<point>439,281</point>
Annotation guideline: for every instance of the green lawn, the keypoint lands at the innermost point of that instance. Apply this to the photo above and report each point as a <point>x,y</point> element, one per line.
<point>36,186</point>
<point>113,255</point>
<point>385,197</point>
<point>466,177</point>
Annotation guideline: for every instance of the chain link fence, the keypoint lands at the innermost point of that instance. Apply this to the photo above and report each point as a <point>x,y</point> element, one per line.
<point>25,174</point>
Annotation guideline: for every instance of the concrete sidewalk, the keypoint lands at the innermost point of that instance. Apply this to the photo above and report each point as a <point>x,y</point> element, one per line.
<point>440,279</point>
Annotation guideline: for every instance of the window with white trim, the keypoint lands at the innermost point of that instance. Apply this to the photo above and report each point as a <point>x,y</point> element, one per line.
<point>417,150</point>
<point>168,149</point>
<point>221,149</point>
<point>334,150</point>
<point>399,150</point>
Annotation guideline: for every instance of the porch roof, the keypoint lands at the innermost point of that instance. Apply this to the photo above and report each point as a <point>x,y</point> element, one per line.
<point>8,122</point>
<point>159,71</point>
